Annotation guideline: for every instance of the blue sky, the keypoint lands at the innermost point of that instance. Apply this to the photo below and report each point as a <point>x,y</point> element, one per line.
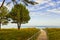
<point>46,13</point>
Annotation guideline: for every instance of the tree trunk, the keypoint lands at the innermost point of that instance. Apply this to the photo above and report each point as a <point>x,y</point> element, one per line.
<point>0,25</point>
<point>2,3</point>
<point>19,25</point>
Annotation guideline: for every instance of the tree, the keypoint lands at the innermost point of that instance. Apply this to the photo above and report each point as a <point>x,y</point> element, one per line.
<point>26,2</point>
<point>19,14</point>
<point>3,13</point>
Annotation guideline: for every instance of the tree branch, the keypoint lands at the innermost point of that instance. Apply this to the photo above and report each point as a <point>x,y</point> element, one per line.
<point>2,3</point>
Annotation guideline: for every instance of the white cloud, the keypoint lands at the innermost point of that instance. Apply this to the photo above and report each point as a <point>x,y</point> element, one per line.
<point>42,1</point>
<point>39,1</point>
<point>42,5</point>
<point>36,14</point>
<point>57,11</point>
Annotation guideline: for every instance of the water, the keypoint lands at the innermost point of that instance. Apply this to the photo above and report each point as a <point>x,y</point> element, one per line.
<point>40,27</point>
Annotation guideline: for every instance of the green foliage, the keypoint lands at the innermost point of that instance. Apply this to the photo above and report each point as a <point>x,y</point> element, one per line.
<point>53,33</point>
<point>13,34</point>
<point>20,14</point>
<point>3,13</point>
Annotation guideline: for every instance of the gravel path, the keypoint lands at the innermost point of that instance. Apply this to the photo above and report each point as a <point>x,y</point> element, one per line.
<point>42,35</point>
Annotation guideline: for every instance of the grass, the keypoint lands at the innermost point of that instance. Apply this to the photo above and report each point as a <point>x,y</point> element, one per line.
<point>13,34</point>
<point>53,33</point>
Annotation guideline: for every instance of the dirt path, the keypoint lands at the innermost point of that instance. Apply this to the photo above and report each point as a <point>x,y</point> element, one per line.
<point>42,36</point>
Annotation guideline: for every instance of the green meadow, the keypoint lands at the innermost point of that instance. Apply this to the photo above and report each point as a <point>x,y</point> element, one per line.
<point>14,34</point>
<point>53,33</point>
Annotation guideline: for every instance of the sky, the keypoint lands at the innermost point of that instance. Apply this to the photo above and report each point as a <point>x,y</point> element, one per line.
<point>45,13</point>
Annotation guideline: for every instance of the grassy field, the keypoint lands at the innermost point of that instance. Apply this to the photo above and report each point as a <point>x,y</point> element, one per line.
<point>53,33</point>
<point>13,34</point>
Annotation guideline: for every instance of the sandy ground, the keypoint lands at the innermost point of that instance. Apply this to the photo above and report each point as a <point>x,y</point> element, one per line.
<point>42,35</point>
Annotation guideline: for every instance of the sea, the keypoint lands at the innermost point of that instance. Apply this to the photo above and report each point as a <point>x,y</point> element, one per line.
<point>40,27</point>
